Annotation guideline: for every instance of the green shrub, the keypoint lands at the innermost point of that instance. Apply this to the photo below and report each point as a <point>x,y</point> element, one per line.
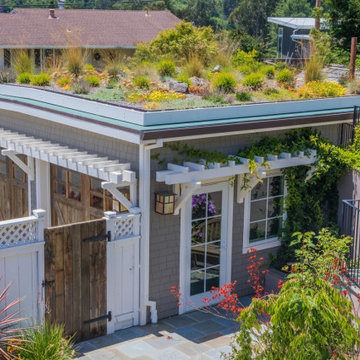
<point>354,87</point>
<point>243,96</point>
<point>7,76</point>
<point>167,68</point>
<point>142,82</point>
<point>245,69</point>
<point>22,62</point>
<point>41,79</point>
<point>181,43</point>
<point>194,67</point>
<point>93,80</point>
<point>268,71</point>
<point>285,78</point>
<point>24,78</point>
<point>184,79</point>
<point>46,342</point>
<point>89,67</point>
<point>244,58</point>
<point>313,68</point>
<point>224,82</point>
<point>114,68</point>
<point>316,89</point>
<point>254,81</point>
<point>74,60</point>
<point>63,81</point>
<point>80,86</point>
<point>215,97</point>
<point>271,91</point>
<point>280,65</point>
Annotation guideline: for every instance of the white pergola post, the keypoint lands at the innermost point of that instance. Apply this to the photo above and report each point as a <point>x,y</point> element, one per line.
<point>43,189</point>
<point>2,59</point>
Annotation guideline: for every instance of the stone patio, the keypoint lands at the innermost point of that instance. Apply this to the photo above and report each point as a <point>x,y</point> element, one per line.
<point>195,335</point>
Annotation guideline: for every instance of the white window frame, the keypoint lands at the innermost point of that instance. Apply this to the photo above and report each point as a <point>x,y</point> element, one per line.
<point>263,244</point>
<point>190,303</point>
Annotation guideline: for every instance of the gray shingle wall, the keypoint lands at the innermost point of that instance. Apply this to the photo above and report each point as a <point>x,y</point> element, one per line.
<point>76,138</point>
<point>165,230</point>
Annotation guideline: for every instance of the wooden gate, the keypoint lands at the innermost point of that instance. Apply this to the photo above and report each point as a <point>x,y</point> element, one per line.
<point>75,278</point>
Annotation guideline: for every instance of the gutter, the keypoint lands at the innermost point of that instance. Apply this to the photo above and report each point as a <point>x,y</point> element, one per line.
<point>144,204</point>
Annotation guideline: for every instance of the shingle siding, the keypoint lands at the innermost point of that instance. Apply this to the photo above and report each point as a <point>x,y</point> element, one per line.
<point>165,230</point>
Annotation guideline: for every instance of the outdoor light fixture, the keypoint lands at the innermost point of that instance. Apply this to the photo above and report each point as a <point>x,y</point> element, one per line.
<point>165,203</point>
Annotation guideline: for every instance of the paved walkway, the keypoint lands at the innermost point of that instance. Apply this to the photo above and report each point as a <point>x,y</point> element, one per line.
<point>196,336</point>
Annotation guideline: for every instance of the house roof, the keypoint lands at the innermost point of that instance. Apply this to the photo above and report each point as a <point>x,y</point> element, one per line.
<point>293,22</point>
<point>36,28</point>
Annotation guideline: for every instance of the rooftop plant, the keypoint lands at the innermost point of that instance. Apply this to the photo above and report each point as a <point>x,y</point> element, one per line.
<point>41,79</point>
<point>24,78</point>
<point>224,82</point>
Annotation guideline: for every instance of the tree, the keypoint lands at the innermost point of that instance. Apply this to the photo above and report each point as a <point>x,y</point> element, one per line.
<point>344,20</point>
<point>293,8</point>
<point>251,15</point>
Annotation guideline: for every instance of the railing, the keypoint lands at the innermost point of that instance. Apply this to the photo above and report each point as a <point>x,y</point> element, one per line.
<point>122,226</point>
<point>351,227</point>
<point>347,131</point>
<point>22,231</point>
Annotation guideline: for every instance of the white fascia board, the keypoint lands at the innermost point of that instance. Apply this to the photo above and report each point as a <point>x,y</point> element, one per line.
<point>72,122</point>
<point>173,178</point>
<point>75,103</point>
<point>248,111</point>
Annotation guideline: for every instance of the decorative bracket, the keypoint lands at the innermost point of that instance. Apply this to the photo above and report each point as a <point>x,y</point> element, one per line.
<point>186,195</point>
<point>253,181</point>
<point>27,168</point>
<point>310,173</point>
<point>112,189</point>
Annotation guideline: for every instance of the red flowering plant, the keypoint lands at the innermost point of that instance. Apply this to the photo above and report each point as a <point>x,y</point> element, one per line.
<point>225,297</point>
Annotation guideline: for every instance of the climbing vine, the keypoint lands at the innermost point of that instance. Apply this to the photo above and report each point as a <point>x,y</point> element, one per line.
<point>310,204</point>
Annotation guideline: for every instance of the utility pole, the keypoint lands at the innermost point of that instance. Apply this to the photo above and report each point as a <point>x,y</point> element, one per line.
<point>317,19</point>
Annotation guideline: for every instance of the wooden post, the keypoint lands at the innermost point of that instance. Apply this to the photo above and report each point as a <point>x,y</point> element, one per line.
<point>353,57</point>
<point>317,19</point>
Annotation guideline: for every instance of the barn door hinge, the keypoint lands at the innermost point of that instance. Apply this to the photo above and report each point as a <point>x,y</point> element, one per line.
<point>107,237</point>
<point>107,316</point>
<point>47,283</point>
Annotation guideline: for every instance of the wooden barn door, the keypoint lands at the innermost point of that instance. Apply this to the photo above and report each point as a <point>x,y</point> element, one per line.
<point>13,190</point>
<point>75,278</point>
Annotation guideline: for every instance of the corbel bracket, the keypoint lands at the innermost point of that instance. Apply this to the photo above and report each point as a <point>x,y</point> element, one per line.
<point>112,189</point>
<point>243,191</point>
<point>310,173</point>
<point>186,195</point>
<point>27,168</point>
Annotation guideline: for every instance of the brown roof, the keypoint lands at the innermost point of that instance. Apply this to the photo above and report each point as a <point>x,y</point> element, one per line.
<point>35,28</point>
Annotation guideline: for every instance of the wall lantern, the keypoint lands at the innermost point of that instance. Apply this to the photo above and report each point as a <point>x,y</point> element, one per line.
<point>165,203</point>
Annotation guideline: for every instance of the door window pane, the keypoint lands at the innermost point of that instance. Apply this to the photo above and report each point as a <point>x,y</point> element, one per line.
<point>198,232</point>
<point>259,191</point>
<point>213,254</point>
<point>214,203</point>
<point>198,257</point>
<point>198,206</point>
<point>212,278</point>
<point>197,282</point>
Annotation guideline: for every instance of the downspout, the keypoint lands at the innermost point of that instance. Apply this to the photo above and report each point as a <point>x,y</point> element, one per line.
<point>144,204</point>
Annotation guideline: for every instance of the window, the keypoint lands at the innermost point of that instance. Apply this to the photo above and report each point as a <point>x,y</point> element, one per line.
<point>264,214</point>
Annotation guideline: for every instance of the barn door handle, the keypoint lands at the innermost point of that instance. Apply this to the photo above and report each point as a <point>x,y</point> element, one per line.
<point>107,316</point>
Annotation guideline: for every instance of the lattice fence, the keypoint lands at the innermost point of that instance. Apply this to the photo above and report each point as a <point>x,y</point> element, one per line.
<point>123,225</point>
<point>21,231</point>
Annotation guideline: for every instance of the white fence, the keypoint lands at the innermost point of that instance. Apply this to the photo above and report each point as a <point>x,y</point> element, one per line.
<point>22,264</point>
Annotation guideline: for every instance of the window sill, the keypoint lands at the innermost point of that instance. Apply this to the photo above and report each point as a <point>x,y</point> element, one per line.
<point>262,245</point>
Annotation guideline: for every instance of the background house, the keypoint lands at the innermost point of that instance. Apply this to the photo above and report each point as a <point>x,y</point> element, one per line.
<point>293,36</point>
<point>44,33</point>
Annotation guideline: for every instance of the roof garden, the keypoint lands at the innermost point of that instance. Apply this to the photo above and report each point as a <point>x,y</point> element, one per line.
<point>183,68</point>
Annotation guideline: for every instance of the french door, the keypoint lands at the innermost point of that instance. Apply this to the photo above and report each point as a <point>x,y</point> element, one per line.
<point>206,243</point>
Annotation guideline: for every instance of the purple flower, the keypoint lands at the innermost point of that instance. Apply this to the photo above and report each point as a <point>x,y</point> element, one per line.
<point>200,234</point>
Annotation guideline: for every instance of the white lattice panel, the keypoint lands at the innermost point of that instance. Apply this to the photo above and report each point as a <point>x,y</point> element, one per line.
<point>18,234</point>
<point>124,227</point>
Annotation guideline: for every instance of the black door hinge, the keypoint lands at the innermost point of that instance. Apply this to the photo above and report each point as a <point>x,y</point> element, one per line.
<point>47,283</point>
<point>107,316</point>
<point>107,237</point>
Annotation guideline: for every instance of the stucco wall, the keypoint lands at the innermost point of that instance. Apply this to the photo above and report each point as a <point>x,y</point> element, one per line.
<point>165,230</point>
